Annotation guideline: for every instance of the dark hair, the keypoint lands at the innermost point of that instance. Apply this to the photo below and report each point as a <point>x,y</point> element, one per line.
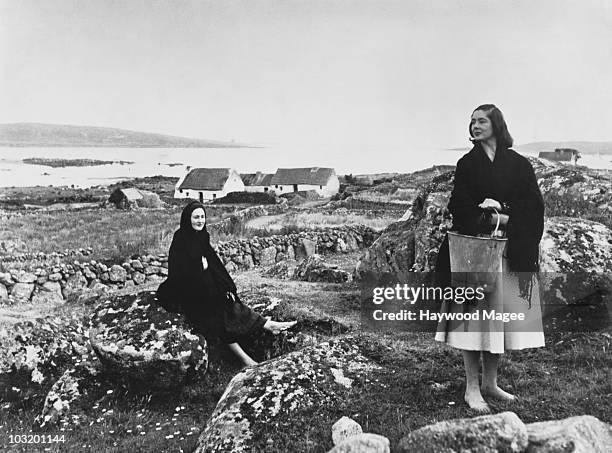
<point>500,129</point>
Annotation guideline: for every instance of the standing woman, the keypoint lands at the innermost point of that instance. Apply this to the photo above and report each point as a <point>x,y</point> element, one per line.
<point>493,182</point>
<point>199,286</point>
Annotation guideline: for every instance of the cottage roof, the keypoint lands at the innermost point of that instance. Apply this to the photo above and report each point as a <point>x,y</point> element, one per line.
<point>314,175</point>
<point>132,193</point>
<point>256,179</point>
<point>206,179</point>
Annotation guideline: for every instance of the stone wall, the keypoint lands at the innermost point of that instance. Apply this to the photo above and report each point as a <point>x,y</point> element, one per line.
<point>239,219</point>
<point>41,256</point>
<point>265,251</point>
<point>55,282</point>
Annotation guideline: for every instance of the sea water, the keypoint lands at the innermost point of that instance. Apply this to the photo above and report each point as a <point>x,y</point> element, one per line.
<point>175,161</point>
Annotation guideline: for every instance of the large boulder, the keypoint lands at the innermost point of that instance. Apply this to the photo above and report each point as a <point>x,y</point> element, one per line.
<point>581,434</point>
<point>22,291</point>
<point>574,191</point>
<point>49,292</point>
<point>503,432</point>
<point>363,443</point>
<point>412,244</point>
<point>68,400</point>
<point>277,391</point>
<point>37,352</point>
<point>314,269</point>
<point>142,342</point>
<point>575,245</point>
<point>576,274</point>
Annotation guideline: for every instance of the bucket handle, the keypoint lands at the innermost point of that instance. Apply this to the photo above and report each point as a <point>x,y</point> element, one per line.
<point>494,233</point>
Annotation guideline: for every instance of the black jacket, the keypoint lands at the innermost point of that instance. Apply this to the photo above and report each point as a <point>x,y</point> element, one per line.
<point>207,297</point>
<point>189,288</point>
<point>509,179</point>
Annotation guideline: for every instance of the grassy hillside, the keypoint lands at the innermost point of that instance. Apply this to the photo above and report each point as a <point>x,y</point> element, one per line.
<point>38,134</point>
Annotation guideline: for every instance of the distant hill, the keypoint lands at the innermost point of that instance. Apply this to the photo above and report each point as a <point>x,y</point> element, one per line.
<point>583,147</point>
<point>39,134</point>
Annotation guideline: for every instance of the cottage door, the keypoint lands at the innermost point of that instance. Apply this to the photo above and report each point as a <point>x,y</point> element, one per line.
<point>295,188</point>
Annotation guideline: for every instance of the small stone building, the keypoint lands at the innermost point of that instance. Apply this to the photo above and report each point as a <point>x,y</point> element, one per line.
<point>125,198</point>
<point>131,198</point>
<point>207,184</point>
<point>324,181</point>
<point>560,154</point>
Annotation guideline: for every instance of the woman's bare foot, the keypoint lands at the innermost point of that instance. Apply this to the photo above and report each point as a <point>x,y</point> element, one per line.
<point>277,327</point>
<point>496,392</point>
<point>477,403</point>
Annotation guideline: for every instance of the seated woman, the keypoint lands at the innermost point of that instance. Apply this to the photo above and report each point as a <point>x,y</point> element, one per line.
<point>199,286</point>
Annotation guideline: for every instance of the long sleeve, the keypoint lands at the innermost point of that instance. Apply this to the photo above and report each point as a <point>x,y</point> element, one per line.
<point>467,216</point>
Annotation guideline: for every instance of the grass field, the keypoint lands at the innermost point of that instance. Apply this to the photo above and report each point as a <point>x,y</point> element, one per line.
<point>420,382</point>
<point>299,221</point>
<point>111,233</point>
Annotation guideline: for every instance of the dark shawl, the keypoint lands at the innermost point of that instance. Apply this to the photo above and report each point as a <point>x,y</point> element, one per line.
<point>509,179</point>
<point>188,288</point>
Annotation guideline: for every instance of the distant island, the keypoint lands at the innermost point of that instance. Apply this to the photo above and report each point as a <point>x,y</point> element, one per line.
<point>536,147</point>
<point>71,162</point>
<point>51,135</point>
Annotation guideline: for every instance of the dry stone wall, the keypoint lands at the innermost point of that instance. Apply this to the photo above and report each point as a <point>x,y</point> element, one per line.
<point>266,251</point>
<point>59,281</point>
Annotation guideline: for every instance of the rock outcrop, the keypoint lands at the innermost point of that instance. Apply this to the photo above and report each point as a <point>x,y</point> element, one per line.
<point>503,432</point>
<point>277,391</point>
<point>315,269</point>
<point>412,245</point>
<point>575,434</point>
<point>363,443</point>
<point>140,341</point>
<point>576,254</point>
<point>40,349</point>
<point>61,406</point>
<point>568,245</point>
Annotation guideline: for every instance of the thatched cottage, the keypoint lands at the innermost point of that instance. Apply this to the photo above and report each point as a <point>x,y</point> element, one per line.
<point>256,182</point>
<point>322,180</point>
<point>208,183</point>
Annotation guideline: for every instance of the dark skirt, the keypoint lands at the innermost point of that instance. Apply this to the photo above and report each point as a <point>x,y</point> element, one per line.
<point>232,321</point>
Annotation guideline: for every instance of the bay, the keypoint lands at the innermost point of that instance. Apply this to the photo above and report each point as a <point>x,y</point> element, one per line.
<point>174,162</point>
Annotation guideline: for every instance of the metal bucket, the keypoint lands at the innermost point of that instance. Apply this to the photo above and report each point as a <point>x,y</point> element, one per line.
<point>475,261</point>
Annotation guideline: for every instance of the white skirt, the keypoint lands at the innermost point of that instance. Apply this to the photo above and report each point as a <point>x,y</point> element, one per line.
<point>496,336</point>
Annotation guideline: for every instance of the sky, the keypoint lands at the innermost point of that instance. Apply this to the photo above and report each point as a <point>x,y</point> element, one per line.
<point>403,74</point>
